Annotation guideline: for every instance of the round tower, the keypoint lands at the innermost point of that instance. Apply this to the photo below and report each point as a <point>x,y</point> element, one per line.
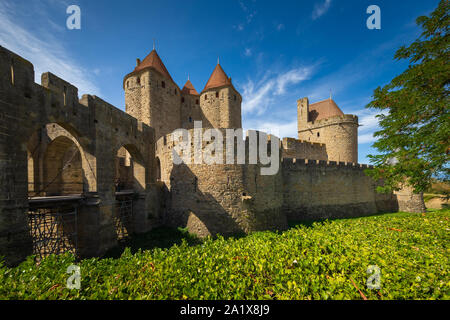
<point>327,124</point>
<point>152,96</point>
<point>220,102</point>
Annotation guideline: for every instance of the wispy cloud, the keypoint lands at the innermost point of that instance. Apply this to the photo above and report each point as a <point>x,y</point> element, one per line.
<point>368,125</point>
<point>43,49</point>
<point>248,52</point>
<point>257,96</point>
<point>320,9</point>
<point>277,128</point>
<point>249,15</point>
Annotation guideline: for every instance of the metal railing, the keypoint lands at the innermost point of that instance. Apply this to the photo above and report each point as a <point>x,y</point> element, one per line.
<point>123,219</point>
<point>54,230</point>
<point>55,189</point>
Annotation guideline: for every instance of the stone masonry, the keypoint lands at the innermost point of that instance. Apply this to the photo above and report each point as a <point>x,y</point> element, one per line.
<point>53,144</point>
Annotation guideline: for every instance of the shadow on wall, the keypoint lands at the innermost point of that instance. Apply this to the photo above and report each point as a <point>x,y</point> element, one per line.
<point>199,212</point>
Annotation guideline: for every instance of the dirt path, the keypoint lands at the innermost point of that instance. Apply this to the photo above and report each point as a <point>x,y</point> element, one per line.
<point>437,203</point>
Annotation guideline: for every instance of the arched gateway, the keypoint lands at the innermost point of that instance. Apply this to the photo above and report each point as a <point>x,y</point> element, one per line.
<point>57,159</point>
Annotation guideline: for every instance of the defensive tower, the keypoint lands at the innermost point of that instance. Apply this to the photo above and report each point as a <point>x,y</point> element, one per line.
<point>152,96</point>
<point>324,122</point>
<point>220,102</point>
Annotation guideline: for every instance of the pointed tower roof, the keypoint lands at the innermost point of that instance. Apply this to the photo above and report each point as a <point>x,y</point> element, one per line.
<point>189,89</point>
<point>323,110</point>
<point>154,61</point>
<point>218,78</point>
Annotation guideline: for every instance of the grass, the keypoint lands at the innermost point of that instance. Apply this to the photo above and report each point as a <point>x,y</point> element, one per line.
<point>322,260</point>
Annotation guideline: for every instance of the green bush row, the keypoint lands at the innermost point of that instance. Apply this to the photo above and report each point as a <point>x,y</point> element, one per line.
<point>327,260</point>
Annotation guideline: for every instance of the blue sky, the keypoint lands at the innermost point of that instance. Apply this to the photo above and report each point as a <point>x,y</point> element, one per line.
<point>275,51</point>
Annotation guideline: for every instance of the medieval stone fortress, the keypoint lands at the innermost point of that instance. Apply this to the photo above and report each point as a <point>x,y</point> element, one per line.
<point>81,174</point>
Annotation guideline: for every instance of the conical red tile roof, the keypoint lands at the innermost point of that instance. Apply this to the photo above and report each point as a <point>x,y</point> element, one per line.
<point>218,79</point>
<point>189,89</point>
<point>154,61</point>
<point>323,110</point>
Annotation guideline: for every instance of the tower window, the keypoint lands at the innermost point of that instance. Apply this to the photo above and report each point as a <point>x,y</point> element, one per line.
<point>318,134</point>
<point>196,101</point>
<point>182,100</point>
<point>206,97</point>
<point>138,80</point>
<point>190,119</point>
<point>175,91</point>
<point>217,94</point>
<point>234,97</point>
<point>163,84</point>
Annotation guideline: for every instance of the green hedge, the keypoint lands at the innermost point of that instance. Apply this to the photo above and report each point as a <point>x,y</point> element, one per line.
<point>327,260</point>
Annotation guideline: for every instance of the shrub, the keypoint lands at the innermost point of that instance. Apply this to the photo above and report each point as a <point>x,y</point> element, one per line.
<point>326,260</point>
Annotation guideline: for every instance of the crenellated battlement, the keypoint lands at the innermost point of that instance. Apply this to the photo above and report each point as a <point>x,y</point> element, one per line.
<point>256,188</point>
<point>250,141</point>
<point>346,118</point>
<point>293,162</point>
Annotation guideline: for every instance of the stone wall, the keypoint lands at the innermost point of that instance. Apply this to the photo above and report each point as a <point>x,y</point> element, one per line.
<point>153,99</point>
<point>408,201</point>
<point>190,111</point>
<point>220,198</point>
<point>339,134</point>
<point>322,190</point>
<point>98,131</point>
<point>207,199</point>
<point>221,108</point>
<point>293,148</point>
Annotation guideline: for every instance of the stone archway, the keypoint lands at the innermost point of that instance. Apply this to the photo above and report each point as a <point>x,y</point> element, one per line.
<point>130,186</point>
<point>62,168</point>
<point>130,169</point>
<point>57,163</point>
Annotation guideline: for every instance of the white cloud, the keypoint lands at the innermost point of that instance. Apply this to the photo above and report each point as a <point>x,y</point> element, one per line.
<point>321,9</point>
<point>280,27</point>
<point>256,97</point>
<point>368,125</point>
<point>43,50</point>
<point>276,128</point>
<point>239,27</point>
<point>248,52</point>
<point>249,15</point>
<point>366,138</point>
<point>293,76</point>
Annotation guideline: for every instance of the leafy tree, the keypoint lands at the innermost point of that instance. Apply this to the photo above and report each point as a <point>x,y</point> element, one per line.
<point>415,120</point>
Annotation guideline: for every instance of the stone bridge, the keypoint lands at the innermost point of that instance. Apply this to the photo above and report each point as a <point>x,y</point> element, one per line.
<point>57,147</point>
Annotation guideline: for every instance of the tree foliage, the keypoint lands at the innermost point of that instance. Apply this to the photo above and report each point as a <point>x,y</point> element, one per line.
<point>415,121</point>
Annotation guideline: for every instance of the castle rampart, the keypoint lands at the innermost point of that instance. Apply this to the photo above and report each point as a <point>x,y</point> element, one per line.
<point>310,192</point>
<point>326,123</point>
<point>44,128</point>
<point>99,130</point>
